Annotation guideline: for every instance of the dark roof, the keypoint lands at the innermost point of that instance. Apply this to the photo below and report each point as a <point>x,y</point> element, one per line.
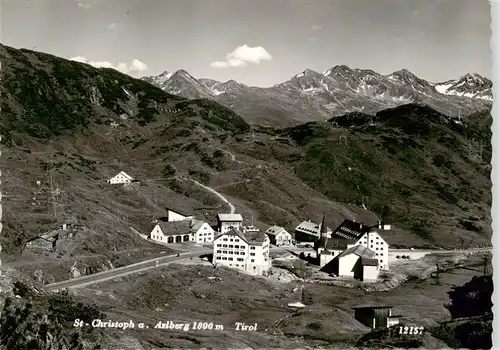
<point>369,262</point>
<point>331,243</point>
<point>351,230</point>
<point>174,228</point>
<point>252,238</point>
<point>372,307</point>
<point>359,250</point>
<point>255,238</point>
<point>196,224</point>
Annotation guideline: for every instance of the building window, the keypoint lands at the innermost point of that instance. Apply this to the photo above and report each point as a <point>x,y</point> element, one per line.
<point>231,252</point>
<point>230,246</point>
<point>252,254</point>
<point>224,258</point>
<point>231,240</point>
<point>218,245</point>
<point>236,240</point>
<point>236,246</point>
<point>218,251</point>
<point>231,259</point>
<point>252,247</point>
<point>224,252</point>
<point>224,246</point>
<point>224,239</point>
<point>217,258</point>
<point>242,253</point>
<point>252,260</point>
<point>240,259</point>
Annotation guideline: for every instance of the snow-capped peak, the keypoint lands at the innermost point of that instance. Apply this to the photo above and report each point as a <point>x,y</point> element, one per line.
<point>159,79</point>
<point>327,72</point>
<point>307,72</point>
<point>470,85</point>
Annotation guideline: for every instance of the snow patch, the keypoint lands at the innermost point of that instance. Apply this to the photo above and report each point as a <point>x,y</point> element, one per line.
<point>127,92</point>
<point>299,75</point>
<point>328,72</point>
<point>217,92</point>
<point>311,89</point>
<point>442,88</point>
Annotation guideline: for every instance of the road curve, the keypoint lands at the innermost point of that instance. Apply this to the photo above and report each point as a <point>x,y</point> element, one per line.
<point>103,276</point>
<point>224,199</point>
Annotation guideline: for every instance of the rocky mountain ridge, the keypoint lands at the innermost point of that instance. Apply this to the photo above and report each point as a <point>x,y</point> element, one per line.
<point>310,96</point>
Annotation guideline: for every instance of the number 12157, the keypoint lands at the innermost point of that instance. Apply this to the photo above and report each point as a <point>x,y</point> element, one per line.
<point>411,330</point>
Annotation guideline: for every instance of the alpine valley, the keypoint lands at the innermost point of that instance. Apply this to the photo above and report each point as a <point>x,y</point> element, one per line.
<point>346,144</point>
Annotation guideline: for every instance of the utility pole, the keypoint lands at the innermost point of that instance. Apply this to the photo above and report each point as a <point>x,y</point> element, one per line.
<point>52,192</point>
<point>485,268</point>
<point>437,274</point>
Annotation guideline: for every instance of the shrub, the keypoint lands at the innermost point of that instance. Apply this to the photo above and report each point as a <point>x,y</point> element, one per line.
<point>314,326</point>
<point>21,289</point>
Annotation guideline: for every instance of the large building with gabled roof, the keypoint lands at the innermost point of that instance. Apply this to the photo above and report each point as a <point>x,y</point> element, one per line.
<point>357,262</point>
<point>372,237</point>
<point>308,231</point>
<point>246,251</point>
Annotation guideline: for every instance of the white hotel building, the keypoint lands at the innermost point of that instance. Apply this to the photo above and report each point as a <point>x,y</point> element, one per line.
<point>246,251</point>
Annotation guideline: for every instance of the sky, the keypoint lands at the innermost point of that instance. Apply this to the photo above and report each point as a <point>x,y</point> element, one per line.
<point>258,42</point>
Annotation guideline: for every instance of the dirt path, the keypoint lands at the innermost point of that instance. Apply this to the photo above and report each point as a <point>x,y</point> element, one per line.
<point>210,189</point>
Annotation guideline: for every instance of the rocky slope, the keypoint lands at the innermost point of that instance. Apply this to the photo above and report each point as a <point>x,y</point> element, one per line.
<point>469,85</point>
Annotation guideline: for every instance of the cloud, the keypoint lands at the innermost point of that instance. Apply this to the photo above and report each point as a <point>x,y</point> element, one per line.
<point>134,67</point>
<point>313,39</point>
<point>113,27</point>
<point>138,66</point>
<point>242,56</point>
<point>83,5</point>
<point>315,27</point>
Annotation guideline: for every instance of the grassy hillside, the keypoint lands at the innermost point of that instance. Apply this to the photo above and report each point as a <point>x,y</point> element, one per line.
<point>410,165</point>
<point>84,125</point>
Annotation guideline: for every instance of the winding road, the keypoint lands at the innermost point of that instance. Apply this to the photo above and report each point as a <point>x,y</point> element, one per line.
<point>103,276</point>
<point>224,199</point>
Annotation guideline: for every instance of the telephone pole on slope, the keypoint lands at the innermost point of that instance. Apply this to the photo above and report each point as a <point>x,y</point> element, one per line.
<point>485,267</point>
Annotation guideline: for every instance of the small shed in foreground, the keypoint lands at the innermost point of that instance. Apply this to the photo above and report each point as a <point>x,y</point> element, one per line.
<point>376,317</point>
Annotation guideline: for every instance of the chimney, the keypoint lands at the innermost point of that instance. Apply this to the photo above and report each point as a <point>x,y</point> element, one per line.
<point>379,225</point>
<point>322,228</point>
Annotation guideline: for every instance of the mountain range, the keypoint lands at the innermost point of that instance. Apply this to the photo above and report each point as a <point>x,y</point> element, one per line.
<point>67,127</point>
<point>313,96</point>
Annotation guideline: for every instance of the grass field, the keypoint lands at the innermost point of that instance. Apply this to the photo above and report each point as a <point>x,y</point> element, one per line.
<point>185,293</point>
